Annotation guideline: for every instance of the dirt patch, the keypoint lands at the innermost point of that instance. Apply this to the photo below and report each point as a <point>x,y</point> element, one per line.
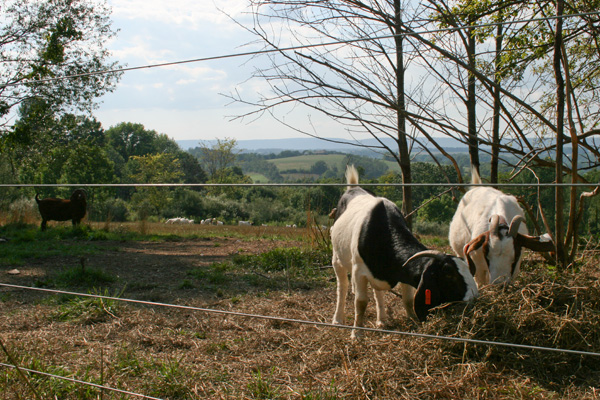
<point>149,268</point>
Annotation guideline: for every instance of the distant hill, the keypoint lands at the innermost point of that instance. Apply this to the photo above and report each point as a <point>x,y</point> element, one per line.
<point>277,145</point>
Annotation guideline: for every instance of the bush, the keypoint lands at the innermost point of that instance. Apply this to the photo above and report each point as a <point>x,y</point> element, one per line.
<point>438,209</point>
<point>431,228</point>
<point>186,203</point>
<point>109,210</point>
<point>23,211</point>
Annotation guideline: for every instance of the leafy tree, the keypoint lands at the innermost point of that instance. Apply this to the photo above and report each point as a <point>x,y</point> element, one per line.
<point>152,168</point>
<point>438,209</point>
<point>191,168</point>
<point>318,168</point>
<point>44,44</point>
<point>69,149</point>
<point>218,157</point>
<point>132,139</point>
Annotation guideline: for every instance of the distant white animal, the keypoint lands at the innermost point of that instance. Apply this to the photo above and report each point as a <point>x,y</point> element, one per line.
<point>245,223</point>
<point>179,221</point>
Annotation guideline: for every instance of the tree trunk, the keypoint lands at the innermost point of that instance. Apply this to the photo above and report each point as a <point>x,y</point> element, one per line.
<point>560,110</point>
<point>403,152</point>
<point>472,106</point>
<point>496,121</point>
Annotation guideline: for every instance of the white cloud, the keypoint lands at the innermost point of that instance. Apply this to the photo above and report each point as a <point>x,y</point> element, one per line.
<point>190,13</point>
<point>185,101</point>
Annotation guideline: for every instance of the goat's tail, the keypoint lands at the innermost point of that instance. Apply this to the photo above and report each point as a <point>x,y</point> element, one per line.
<point>37,200</point>
<point>351,175</point>
<point>475,178</point>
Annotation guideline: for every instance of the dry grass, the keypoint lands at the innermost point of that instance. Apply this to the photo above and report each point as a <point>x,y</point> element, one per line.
<point>176,354</point>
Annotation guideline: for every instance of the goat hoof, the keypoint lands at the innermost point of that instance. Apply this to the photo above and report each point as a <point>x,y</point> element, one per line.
<point>356,334</point>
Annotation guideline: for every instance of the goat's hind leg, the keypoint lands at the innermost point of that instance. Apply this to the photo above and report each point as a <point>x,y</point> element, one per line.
<point>361,299</point>
<point>342,292</point>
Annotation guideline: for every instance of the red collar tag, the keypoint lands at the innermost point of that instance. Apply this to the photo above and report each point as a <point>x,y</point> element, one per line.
<point>428,297</point>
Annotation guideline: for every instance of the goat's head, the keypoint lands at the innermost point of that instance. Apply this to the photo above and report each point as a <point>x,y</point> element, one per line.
<point>445,279</point>
<point>502,245</point>
<point>78,195</point>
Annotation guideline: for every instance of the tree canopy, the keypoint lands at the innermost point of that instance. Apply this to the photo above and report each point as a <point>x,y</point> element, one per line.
<point>48,50</point>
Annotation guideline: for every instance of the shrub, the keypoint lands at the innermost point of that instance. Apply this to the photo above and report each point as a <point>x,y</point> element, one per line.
<point>23,211</point>
<point>109,210</point>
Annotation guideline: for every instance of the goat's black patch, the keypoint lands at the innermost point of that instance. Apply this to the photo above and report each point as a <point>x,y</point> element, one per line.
<point>385,243</point>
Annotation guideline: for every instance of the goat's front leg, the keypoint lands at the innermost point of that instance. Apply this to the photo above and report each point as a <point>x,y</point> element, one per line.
<point>408,298</point>
<point>380,306</point>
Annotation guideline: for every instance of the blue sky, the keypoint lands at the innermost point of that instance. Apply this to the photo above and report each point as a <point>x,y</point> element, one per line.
<point>185,101</point>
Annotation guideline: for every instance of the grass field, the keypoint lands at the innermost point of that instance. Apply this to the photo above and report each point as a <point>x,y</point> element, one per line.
<point>304,162</point>
<point>172,353</point>
<point>259,178</point>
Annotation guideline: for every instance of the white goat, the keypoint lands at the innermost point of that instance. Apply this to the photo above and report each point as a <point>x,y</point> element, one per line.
<point>480,232</point>
<point>372,242</point>
<point>179,220</point>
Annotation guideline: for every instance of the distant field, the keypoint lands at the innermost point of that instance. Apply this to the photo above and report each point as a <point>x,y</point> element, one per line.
<point>259,178</point>
<point>392,165</point>
<point>304,162</point>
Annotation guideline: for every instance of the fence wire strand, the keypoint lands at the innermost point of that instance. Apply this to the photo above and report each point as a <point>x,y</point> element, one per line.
<point>307,322</point>
<point>304,184</point>
<point>33,371</point>
<point>297,48</point>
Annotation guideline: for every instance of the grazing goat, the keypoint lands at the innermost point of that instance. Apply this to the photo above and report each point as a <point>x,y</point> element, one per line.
<point>73,209</point>
<point>372,242</point>
<point>179,220</point>
<point>480,232</point>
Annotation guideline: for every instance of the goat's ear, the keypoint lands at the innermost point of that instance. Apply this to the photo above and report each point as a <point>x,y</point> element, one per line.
<point>428,294</point>
<point>535,243</point>
<point>474,245</point>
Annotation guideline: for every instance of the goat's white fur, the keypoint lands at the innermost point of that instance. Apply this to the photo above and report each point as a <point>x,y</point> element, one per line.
<point>472,218</point>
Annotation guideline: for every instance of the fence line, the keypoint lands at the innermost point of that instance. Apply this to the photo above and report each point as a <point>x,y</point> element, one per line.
<point>445,184</point>
<point>307,322</point>
<point>33,371</point>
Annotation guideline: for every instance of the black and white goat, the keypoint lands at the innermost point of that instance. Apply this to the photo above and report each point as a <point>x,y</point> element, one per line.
<point>372,242</point>
<point>480,232</point>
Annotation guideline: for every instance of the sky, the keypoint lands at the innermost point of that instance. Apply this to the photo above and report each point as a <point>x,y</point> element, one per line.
<point>186,102</point>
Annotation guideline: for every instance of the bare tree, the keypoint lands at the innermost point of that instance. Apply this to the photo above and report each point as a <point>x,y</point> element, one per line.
<point>358,81</point>
<point>347,59</point>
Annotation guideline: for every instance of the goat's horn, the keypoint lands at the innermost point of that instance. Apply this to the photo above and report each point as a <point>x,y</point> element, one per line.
<point>514,225</point>
<point>494,224</point>
<point>438,255</point>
